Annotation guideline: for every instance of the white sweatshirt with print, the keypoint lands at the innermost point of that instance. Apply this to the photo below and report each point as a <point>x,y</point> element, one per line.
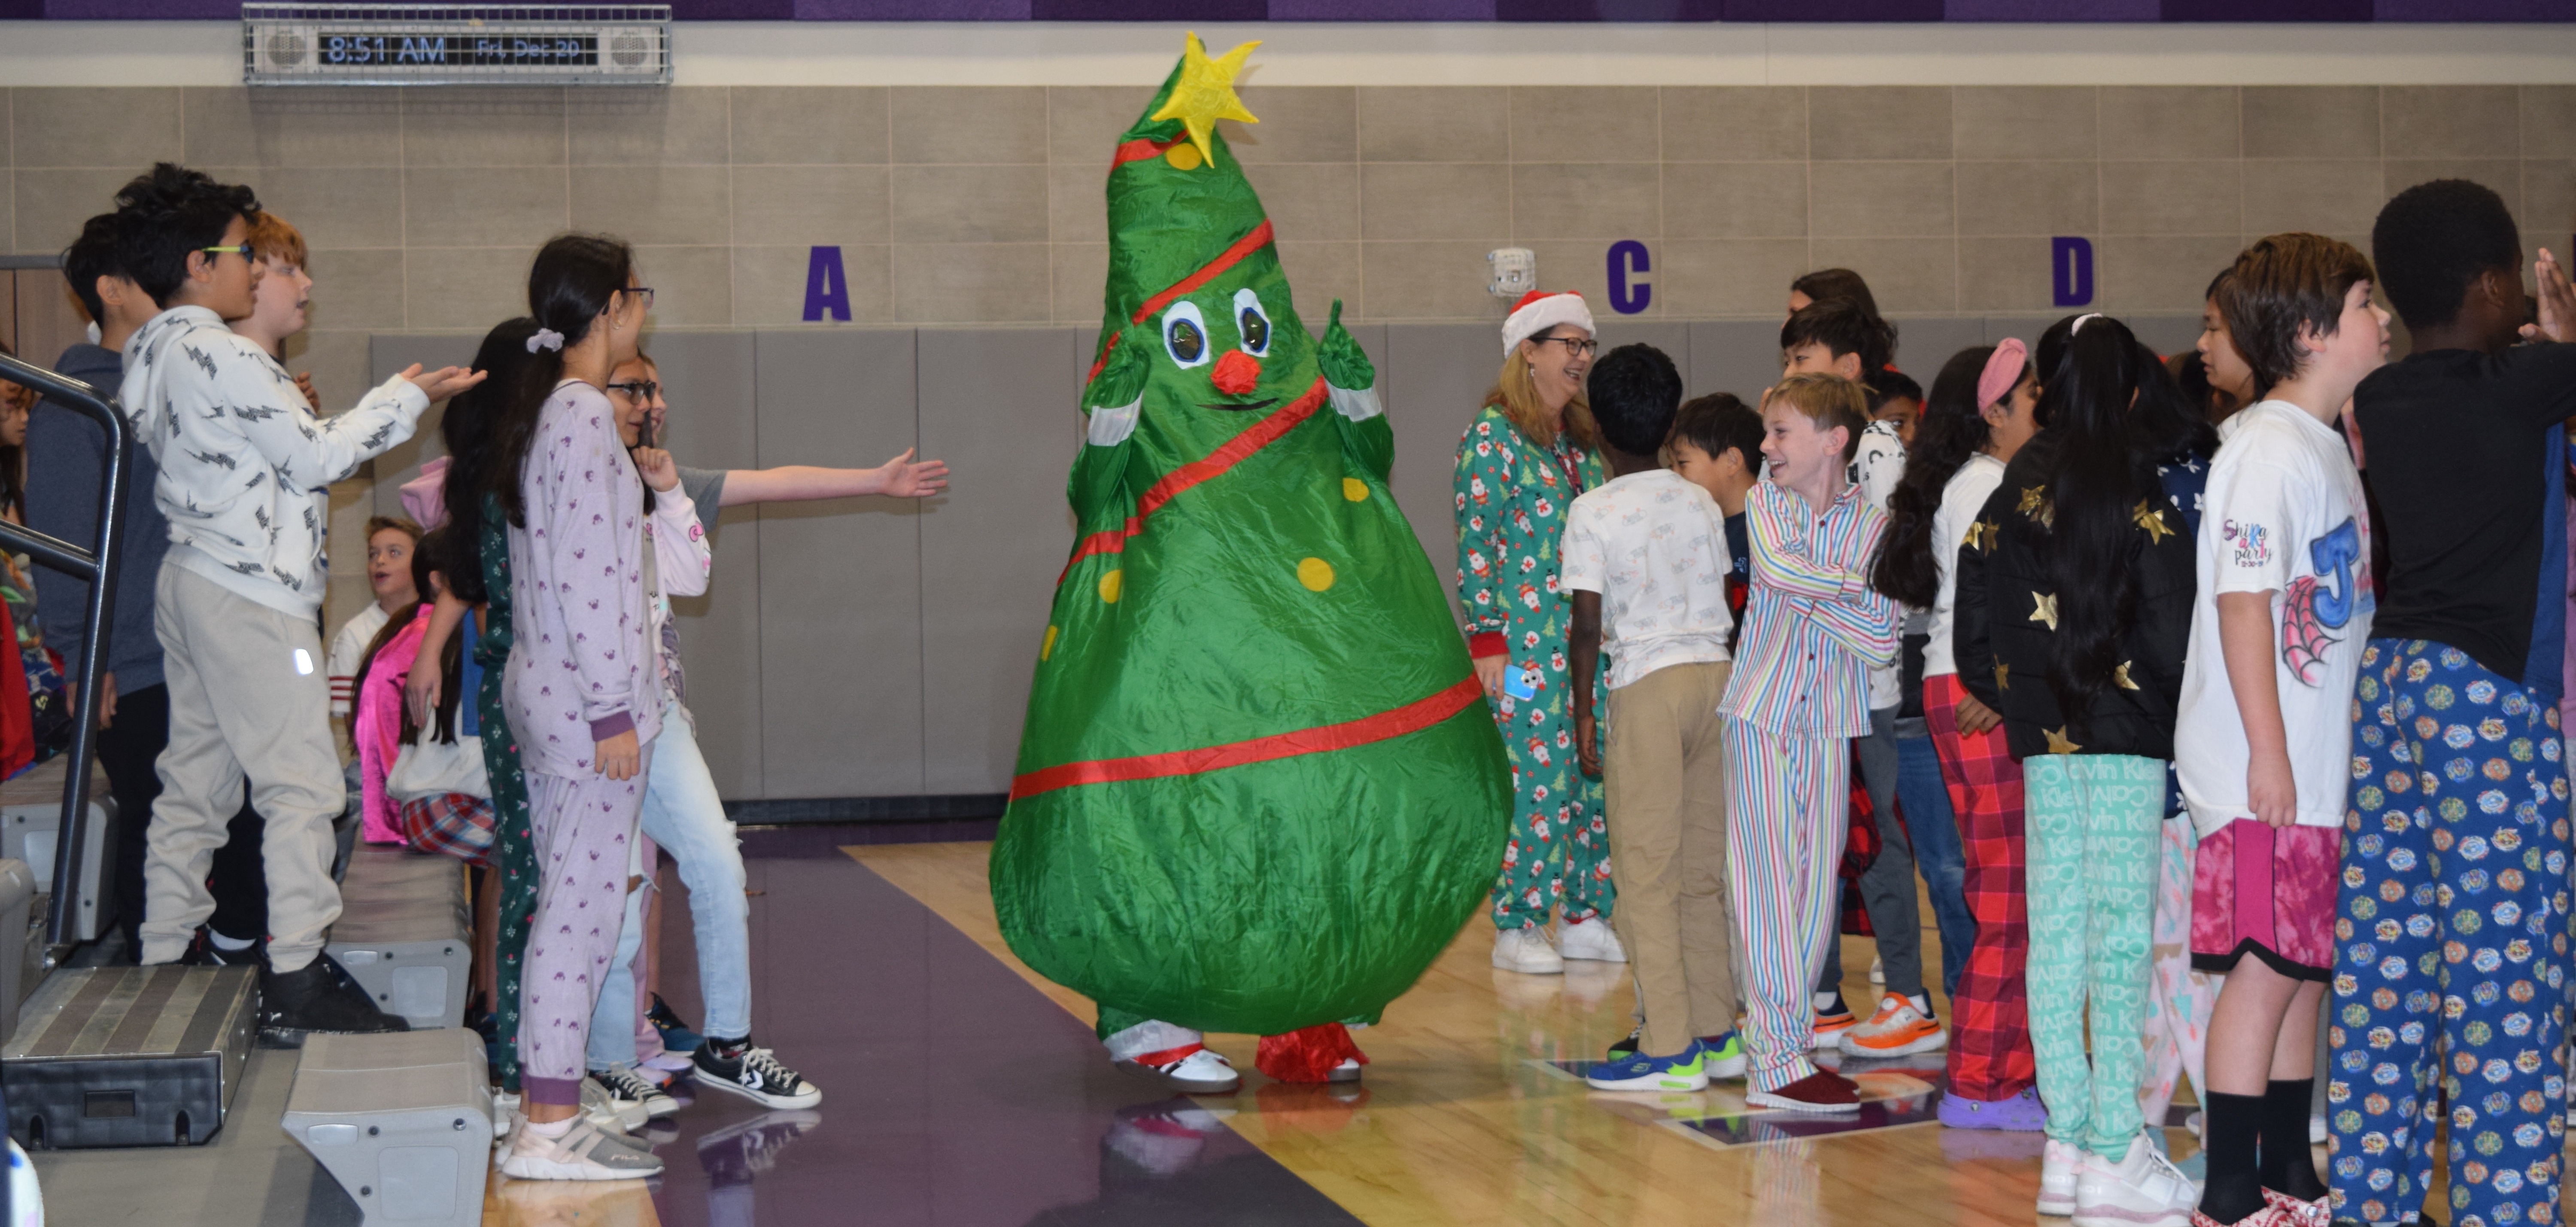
<point>246,468</point>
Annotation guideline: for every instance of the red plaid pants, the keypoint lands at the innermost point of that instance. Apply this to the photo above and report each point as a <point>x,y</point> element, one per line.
<point>1990,1055</point>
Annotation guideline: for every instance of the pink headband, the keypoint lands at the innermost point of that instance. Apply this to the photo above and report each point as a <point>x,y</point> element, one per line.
<point>2002,372</point>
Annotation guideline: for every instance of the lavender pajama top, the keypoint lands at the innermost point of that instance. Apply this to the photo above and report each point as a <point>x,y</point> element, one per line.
<point>586,663</point>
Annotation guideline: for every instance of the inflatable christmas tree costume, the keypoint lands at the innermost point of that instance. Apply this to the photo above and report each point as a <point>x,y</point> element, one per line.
<point>1258,789</point>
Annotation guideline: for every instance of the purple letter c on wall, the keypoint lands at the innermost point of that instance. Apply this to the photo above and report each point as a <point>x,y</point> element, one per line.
<point>1629,256</point>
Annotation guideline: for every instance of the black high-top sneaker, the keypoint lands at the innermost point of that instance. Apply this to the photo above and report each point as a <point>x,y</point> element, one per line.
<point>317,997</point>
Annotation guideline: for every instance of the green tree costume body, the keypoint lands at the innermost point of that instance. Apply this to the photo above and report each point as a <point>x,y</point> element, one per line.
<point>1258,789</point>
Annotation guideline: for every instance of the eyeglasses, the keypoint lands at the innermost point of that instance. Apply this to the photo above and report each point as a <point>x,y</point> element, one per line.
<point>637,389</point>
<point>645,291</point>
<point>1575,346</point>
<point>244,250</point>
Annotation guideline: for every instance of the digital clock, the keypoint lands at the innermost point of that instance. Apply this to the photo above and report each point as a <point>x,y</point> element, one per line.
<point>482,44</point>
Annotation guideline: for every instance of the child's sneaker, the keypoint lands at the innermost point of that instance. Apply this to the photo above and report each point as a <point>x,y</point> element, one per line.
<point>1640,1072</point>
<point>1628,1047</point>
<point>2058,1163</point>
<point>582,1152</point>
<point>1526,950</point>
<point>676,1036</point>
<point>1590,939</point>
<point>1722,1055</point>
<point>754,1074</point>
<point>2141,1189</point>
<point>1832,1019</point>
<point>2022,1113</point>
<point>1821,1091</point>
<point>1186,1071</point>
<point>1898,1029</point>
<point>606,1110</point>
<point>625,1085</point>
<point>2296,1213</point>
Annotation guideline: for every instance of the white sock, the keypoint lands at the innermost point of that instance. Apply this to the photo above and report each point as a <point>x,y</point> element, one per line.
<point>230,943</point>
<point>1825,1001</point>
<point>1922,1004</point>
<point>552,1129</point>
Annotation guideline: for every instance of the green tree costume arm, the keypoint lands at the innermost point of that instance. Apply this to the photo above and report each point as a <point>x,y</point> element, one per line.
<point>1097,488</point>
<point>1351,380</point>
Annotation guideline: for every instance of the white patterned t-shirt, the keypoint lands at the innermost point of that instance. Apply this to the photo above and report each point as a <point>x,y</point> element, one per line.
<point>1654,546</point>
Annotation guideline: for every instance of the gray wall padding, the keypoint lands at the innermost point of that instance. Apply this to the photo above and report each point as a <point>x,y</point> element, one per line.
<point>882,648</point>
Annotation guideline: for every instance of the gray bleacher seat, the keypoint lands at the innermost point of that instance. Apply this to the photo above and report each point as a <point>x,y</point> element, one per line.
<point>405,933</point>
<point>402,1120</point>
<point>129,1056</point>
<point>31,814</point>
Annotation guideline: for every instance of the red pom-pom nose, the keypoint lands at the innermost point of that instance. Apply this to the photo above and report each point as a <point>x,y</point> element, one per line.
<point>1236,373</point>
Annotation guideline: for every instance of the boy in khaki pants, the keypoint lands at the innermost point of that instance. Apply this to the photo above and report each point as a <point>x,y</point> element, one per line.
<point>1645,555</point>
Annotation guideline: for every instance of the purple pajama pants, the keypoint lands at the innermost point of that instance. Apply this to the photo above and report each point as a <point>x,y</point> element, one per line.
<point>583,828</point>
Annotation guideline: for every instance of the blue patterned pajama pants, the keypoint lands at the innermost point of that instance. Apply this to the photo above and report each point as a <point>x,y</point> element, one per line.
<point>2451,935</point>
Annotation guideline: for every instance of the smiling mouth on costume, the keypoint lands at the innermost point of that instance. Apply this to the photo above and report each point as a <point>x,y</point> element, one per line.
<point>1239,408</point>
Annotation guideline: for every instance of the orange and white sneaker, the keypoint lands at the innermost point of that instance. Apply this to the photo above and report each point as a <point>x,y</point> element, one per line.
<point>1833,1018</point>
<point>1898,1029</point>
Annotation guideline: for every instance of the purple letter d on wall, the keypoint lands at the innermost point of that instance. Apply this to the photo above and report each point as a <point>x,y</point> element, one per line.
<point>2070,270</point>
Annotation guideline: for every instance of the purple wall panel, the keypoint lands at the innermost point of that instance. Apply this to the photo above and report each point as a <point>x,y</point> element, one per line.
<point>1832,10</point>
<point>1382,10</point>
<point>1149,10</point>
<point>2474,10</point>
<point>143,10</point>
<point>910,10</point>
<point>1607,10</point>
<point>733,10</point>
<point>2053,10</point>
<point>2272,10</point>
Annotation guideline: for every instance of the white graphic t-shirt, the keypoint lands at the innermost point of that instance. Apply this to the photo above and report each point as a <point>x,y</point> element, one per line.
<point>2283,514</point>
<point>1877,465</point>
<point>1654,546</point>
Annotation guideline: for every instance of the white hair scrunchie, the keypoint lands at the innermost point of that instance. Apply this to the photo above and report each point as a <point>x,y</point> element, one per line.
<point>546,338</point>
<point>2082,320</point>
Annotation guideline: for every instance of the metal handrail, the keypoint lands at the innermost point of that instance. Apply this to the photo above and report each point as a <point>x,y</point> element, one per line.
<point>98,566</point>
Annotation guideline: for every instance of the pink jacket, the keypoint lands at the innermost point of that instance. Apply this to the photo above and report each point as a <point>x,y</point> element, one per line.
<point>585,664</point>
<point>377,728</point>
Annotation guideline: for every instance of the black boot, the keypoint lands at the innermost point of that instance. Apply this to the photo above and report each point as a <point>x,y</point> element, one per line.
<point>317,998</point>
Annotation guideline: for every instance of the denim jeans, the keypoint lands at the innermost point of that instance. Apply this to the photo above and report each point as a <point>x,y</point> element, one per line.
<point>1925,801</point>
<point>683,814</point>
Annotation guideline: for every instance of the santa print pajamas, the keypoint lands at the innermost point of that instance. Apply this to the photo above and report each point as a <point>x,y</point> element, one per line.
<point>1990,1056</point>
<point>1511,501</point>
<point>584,667</point>
<point>2451,944</point>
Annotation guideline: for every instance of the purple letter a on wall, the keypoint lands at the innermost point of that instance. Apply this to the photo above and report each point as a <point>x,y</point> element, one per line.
<point>827,287</point>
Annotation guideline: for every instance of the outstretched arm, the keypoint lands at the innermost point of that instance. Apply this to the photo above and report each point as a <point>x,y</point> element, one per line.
<point>901,477</point>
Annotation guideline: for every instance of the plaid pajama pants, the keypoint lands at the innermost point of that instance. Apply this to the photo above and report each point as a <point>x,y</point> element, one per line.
<point>1990,1055</point>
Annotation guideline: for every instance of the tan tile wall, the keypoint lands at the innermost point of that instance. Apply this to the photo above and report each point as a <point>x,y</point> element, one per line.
<point>982,205</point>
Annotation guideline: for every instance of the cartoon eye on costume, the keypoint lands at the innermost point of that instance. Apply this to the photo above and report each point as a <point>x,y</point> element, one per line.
<point>1253,322</point>
<point>1185,335</point>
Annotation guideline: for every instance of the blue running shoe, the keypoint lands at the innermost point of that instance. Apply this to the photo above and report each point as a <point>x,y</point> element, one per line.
<point>1639,1072</point>
<point>1722,1055</point>
<point>676,1036</point>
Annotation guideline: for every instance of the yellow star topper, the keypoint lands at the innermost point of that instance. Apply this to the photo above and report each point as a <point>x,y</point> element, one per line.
<point>1205,93</point>
<point>2044,608</point>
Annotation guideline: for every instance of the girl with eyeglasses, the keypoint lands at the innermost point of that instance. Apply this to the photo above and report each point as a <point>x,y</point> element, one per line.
<point>1531,449</point>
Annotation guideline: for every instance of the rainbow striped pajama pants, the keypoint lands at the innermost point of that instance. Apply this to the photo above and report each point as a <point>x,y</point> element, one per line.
<point>1788,804</point>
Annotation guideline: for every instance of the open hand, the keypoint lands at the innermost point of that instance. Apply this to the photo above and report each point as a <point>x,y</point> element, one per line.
<point>421,694</point>
<point>2557,302</point>
<point>442,383</point>
<point>1489,674</point>
<point>1975,718</point>
<point>657,467</point>
<point>904,477</point>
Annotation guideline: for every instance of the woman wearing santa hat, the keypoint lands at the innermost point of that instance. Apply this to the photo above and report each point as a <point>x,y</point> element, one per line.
<point>1532,448</point>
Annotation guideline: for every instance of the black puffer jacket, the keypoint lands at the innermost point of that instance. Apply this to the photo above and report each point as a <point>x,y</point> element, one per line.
<point>2006,615</point>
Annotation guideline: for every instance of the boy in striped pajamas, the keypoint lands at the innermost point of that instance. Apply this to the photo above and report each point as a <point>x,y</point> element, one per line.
<point>1813,628</point>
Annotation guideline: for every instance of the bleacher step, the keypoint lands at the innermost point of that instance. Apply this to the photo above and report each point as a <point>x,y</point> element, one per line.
<point>402,1120</point>
<point>129,1056</point>
<point>405,933</point>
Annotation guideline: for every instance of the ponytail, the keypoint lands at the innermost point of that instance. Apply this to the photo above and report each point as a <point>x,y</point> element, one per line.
<point>576,277</point>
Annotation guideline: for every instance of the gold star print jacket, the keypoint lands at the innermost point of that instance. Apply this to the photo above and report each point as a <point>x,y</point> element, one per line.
<point>2007,614</point>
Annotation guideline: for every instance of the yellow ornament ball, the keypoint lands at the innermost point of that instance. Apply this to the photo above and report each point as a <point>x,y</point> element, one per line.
<point>1316,574</point>
<point>1354,489</point>
<point>1183,156</point>
<point>1109,586</point>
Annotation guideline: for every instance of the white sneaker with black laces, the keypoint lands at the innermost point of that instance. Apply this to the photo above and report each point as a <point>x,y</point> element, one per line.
<point>606,1110</point>
<point>754,1074</point>
<point>625,1085</point>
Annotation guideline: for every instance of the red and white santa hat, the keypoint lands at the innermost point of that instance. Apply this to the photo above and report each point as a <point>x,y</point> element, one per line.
<point>1538,311</point>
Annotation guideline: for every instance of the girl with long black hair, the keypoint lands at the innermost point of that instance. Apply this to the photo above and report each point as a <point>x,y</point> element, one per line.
<point>1983,408</point>
<point>2073,613</point>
